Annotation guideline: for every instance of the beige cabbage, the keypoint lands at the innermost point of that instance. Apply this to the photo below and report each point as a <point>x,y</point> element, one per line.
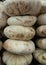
<point>40,56</point>
<point>19,32</point>
<point>22,7</point>
<point>43,6</point>
<point>42,19</point>
<point>41,43</point>
<point>41,31</point>
<point>3,20</point>
<point>11,59</point>
<point>1,6</point>
<point>3,16</point>
<point>22,20</point>
<point>19,47</point>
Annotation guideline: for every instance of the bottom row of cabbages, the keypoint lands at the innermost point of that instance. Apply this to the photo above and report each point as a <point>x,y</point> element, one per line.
<point>17,53</point>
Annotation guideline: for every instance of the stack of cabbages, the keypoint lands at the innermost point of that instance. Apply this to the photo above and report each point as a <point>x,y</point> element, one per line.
<point>18,18</point>
<point>3,19</point>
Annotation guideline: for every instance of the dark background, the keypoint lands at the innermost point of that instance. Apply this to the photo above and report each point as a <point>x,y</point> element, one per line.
<point>34,62</point>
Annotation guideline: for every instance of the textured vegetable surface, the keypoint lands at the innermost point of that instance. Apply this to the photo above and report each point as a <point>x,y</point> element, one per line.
<point>3,16</point>
<point>40,56</point>
<point>19,47</point>
<point>43,6</point>
<point>22,7</point>
<point>19,32</point>
<point>41,43</point>
<point>41,31</point>
<point>11,59</point>
<point>42,19</point>
<point>22,20</point>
